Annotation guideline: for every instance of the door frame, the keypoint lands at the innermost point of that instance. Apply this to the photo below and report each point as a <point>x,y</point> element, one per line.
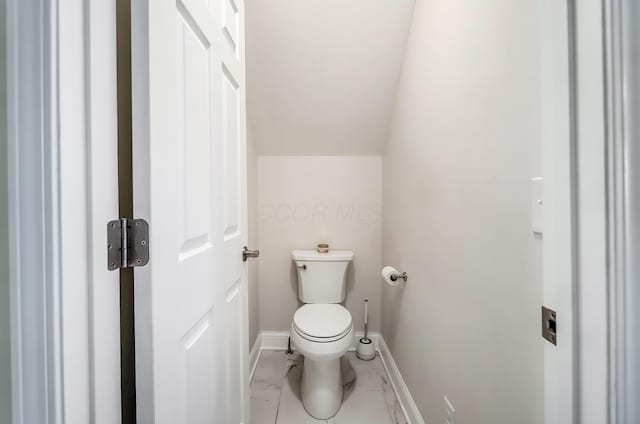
<point>558,159</point>
<point>60,115</point>
<point>622,96</point>
<point>578,373</point>
<point>62,150</point>
<point>589,134</point>
<point>590,373</point>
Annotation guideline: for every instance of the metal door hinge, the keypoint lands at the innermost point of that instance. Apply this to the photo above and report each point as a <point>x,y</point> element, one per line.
<point>127,243</point>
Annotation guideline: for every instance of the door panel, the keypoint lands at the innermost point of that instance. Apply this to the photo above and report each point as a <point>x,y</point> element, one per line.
<point>190,184</point>
<point>194,110</point>
<point>235,363</point>
<point>230,124</point>
<point>230,23</point>
<point>199,346</point>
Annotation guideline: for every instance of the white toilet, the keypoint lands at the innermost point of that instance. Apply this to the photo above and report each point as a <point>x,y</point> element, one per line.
<point>322,329</point>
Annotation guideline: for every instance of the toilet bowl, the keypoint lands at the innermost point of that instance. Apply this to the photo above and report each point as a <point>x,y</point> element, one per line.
<point>322,329</point>
<point>322,333</point>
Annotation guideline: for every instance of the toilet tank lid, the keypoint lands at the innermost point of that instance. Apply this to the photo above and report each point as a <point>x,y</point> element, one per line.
<point>314,255</point>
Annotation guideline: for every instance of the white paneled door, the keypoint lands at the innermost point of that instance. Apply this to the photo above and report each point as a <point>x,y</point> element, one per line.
<point>189,171</point>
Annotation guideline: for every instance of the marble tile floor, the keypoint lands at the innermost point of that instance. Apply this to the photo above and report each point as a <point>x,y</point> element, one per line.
<point>368,396</point>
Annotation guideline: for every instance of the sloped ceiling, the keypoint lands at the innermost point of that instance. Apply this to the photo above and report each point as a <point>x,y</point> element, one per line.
<point>321,74</point>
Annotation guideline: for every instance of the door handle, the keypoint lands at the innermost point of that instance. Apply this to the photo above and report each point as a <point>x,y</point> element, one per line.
<point>249,254</point>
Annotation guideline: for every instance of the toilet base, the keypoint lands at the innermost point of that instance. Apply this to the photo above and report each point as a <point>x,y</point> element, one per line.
<point>321,388</point>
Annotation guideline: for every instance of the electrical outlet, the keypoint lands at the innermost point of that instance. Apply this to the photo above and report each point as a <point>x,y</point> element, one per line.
<point>449,412</point>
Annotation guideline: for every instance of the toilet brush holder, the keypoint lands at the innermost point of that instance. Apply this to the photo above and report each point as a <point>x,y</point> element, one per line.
<point>365,349</point>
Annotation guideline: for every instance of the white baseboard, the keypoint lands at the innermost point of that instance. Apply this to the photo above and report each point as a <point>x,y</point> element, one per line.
<point>401,390</point>
<point>279,340</point>
<point>275,340</point>
<point>254,356</point>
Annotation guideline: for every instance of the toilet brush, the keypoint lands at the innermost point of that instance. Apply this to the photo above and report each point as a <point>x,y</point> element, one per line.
<point>365,349</point>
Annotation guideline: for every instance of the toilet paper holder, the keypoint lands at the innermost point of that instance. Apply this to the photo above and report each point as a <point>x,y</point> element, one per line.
<point>396,277</point>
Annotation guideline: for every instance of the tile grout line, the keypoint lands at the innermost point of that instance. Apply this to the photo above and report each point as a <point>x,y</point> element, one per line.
<point>281,392</point>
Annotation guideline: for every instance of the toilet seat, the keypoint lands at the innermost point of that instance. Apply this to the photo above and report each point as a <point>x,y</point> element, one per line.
<point>322,323</point>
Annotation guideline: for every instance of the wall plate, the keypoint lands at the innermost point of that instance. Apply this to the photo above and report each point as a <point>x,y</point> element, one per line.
<point>537,203</point>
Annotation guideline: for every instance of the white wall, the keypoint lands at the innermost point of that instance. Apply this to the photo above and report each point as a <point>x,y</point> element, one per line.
<point>321,75</point>
<point>252,212</point>
<point>306,200</point>
<point>5,338</point>
<point>463,143</point>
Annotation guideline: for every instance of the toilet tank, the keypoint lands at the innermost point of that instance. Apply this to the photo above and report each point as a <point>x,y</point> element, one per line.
<point>322,277</point>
